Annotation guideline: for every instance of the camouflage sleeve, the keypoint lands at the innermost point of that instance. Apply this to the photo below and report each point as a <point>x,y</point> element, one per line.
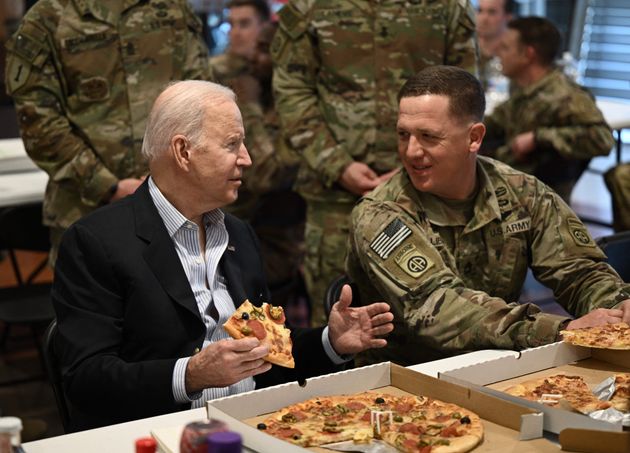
<point>566,259</point>
<point>462,48</point>
<point>295,91</point>
<point>34,80</point>
<point>582,132</point>
<point>263,175</point>
<point>196,61</point>
<point>430,299</point>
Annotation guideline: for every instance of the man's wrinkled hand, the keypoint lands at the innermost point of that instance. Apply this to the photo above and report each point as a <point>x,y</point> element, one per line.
<point>355,329</point>
<point>225,363</point>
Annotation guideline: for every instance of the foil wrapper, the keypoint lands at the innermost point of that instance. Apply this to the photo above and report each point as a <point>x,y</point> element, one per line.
<point>611,415</point>
<point>605,389</point>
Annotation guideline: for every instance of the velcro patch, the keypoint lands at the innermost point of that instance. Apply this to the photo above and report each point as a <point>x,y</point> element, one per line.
<point>390,238</point>
<point>579,234</point>
<point>517,226</point>
<point>411,261</point>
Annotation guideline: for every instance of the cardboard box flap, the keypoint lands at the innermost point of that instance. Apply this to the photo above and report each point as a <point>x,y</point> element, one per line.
<point>554,420</point>
<point>504,368</point>
<point>488,407</point>
<point>270,399</point>
<point>588,440</point>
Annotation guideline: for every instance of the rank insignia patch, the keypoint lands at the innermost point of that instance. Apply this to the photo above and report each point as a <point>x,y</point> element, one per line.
<point>390,238</point>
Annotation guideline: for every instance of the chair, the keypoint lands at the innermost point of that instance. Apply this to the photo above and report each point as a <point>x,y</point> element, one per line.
<point>27,303</point>
<point>617,249</point>
<point>333,292</point>
<point>53,369</point>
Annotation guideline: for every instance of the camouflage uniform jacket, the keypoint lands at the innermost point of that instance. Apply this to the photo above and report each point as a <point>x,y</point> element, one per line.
<point>84,78</point>
<point>338,67</point>
<point>452,284</point>
<point>569,128</point>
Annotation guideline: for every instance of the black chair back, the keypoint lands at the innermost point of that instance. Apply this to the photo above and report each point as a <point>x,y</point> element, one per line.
<point>617,249</point>
<point>53,369</point>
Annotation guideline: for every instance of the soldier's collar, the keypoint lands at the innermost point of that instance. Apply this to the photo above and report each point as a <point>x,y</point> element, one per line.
<point>99,9</point>
<point>540,84</point>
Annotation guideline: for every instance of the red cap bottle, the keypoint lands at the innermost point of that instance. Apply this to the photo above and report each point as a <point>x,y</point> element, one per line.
<point>146,445</point>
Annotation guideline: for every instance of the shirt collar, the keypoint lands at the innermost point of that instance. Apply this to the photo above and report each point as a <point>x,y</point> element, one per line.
<point>99,9</point>
<point>175,220</point>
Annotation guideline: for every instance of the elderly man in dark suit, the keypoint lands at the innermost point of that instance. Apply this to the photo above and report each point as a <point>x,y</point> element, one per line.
<point>143,286</point>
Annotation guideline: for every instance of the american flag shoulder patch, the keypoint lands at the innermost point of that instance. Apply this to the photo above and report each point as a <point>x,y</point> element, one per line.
<point>390,238</point>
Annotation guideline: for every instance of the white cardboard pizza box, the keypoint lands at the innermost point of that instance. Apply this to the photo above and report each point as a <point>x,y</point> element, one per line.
<point>506,424</point>
<point>593,364</point>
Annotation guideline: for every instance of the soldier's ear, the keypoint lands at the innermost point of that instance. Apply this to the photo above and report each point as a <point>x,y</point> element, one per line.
<point>477,132</point>
<point>180,150</point>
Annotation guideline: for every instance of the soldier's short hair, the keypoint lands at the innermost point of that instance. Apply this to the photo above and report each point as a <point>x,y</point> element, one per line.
<point>181,109</point>
<point>508,6</point>
<point>466,96</point>
<point>539,33</point>
<point>261,7</point>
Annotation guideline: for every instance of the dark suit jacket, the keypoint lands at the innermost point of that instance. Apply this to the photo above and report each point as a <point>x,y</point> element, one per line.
<point>126,312</point>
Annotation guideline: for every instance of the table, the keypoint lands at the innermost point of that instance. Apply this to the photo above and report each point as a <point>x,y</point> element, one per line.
<point>617,115</point>
<point>21,182</point>
<point>121,438</point>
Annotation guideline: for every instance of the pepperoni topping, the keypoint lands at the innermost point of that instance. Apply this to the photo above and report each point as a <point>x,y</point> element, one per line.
<point>257,328</point>
<point>410,444</point>
<point>442,418</point>
<point>354,405</point>
<point>409,428</point>
<point>276,314</point>
<point>367,417</point>
<point>289,432</point>
<point>425,449</point>
<point>403,408</point>
<point>450,431</point>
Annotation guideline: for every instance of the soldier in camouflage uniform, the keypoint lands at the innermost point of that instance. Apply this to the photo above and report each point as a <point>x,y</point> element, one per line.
<point>337,68</point>
<point>246,18</point>
<point>266,198</point>
<point>492,18</point>
<point>447,242</point>
<point>83,75</point>
<point>550,127</point>
<point>618,182</point>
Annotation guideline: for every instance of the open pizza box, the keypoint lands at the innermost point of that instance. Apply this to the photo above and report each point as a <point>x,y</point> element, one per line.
<point>577,432</point>
<point>505,423</point>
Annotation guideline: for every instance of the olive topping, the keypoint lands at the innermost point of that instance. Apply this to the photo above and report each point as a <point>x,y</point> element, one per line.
<point>465,420</point>
<point>261,426</point>
<point>379,400</point>
<point>296,437</point>
<point>398,418</point>
<point>245,316</point>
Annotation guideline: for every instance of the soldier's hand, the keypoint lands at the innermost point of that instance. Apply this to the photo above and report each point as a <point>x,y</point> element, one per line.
<point>625,308</point>
<point>355,329</point>
<point>358,178</point>
<point>225,363</point>
<point>522,145</point>
<point>126,187</point>
<point>598,317</point>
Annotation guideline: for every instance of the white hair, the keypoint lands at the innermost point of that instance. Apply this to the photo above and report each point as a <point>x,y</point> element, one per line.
<point>181,109</point>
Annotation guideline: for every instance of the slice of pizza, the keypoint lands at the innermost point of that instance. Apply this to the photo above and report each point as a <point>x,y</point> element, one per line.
<point>620,399</point>
<point>551,390</point>
<point>267,324</point>
<point>609,336</point>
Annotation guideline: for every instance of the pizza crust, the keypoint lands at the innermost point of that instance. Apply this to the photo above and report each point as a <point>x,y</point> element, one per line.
<point>259,324</point>
<point>609,336</point>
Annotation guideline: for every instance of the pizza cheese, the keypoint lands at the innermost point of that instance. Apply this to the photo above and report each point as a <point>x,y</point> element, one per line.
<point>409,423</point>
<point>620,399</point>
<point>609,336</point>
<point>551,390</point>
<point>267,324</point>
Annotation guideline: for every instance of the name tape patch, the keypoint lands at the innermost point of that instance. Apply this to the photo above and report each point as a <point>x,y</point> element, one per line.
<point>518,226</point>
<point>390,238</point>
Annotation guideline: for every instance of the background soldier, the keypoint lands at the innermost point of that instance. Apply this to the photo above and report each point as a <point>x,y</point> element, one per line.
<point>338,66</point>
<point>492,19</point>
<point>246,18</point>
<point>550,127</point>
<point>447,242</point>
<point>83,76</point>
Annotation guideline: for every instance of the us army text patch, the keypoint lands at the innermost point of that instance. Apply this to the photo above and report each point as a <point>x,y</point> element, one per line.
<point>390,238</point>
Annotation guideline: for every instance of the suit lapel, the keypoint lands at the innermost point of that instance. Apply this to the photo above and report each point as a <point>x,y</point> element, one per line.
<point>160,254</point>
<point>231,269</point>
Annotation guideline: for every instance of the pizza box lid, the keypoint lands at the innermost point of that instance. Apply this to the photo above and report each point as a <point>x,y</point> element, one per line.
<point>505,422</point>
<point>593,364</point>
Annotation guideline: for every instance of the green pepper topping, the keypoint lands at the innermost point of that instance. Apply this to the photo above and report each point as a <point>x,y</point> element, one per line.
<point>456,415</point>
<point>246,330</point>
<point>289,418</point>
<point>398,418</point>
